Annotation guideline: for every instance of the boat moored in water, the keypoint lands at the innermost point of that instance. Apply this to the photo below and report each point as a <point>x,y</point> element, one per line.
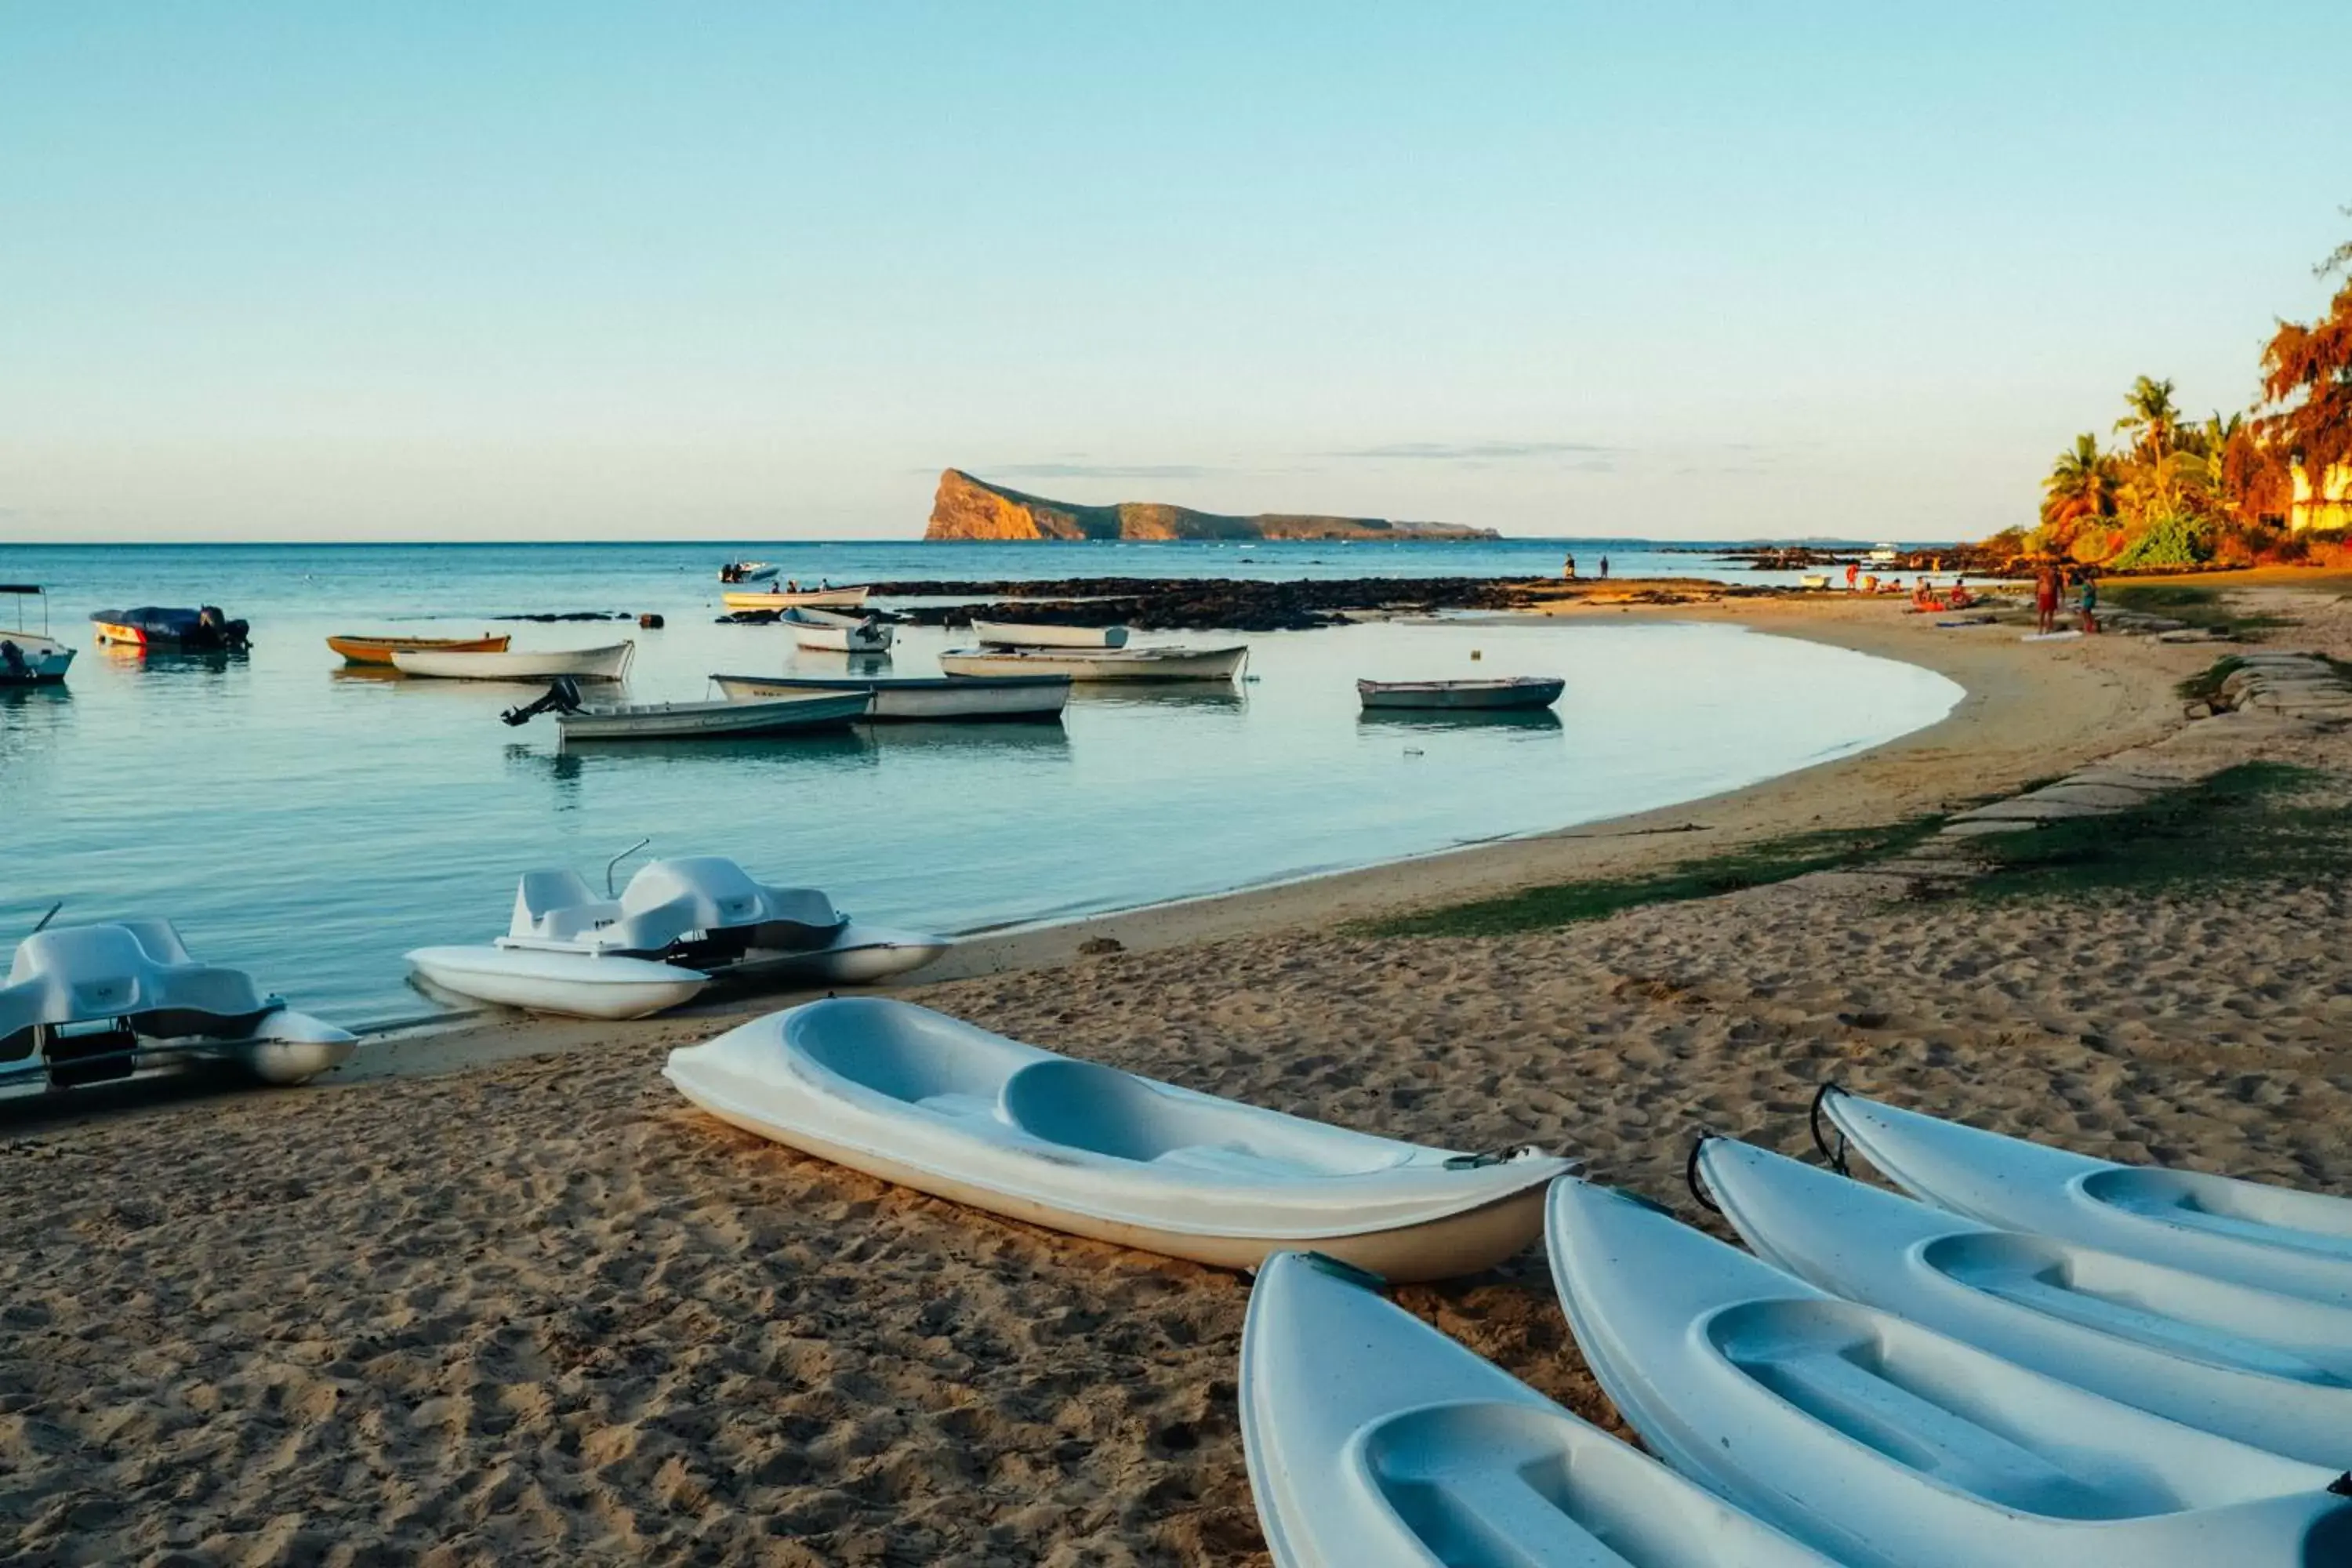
<point>916,1097</point>
<point>918,699</point>
<point>850,598</point>
<point>825,631</point>
<point>377,651</point>
<point>165,630</point>
<point>1009,634</point>
<point>610,662</point>
<point>94,1004</point>
<point>1520,691</point>
<point>1102,663</point>
<point>724,719</point>
<point>31,658</point>
<point>680,925</point>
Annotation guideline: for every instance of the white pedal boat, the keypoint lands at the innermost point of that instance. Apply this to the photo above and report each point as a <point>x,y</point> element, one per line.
<point>96,1003</point>
<point>823,631</point>
<point>607,663</point>
<point>916,1097</point>
<point>1102,663</point>
<point>1883,1443</point>
<point>2274,1239</point>
<point>1376,1442</point>
<point>680,925</point>
<point>2270,1370</point>
<point>1009,634</point>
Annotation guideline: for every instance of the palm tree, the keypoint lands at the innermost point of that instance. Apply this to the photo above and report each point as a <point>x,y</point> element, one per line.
<point>2082,483</point>
<point>2153,418</point>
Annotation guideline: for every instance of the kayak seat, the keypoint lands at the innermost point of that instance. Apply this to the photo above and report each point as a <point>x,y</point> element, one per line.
<point>1477,1480</point>
<point>2303,1222</point>
<point>1881,1383</point>
<point>888,1049</point>
<point>1085,1105</point>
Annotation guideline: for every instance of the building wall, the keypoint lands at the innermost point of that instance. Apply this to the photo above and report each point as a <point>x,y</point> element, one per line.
<point>2330,510</point>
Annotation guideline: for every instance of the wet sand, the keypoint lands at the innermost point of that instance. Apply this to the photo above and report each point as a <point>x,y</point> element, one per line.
<point>500,1296</point>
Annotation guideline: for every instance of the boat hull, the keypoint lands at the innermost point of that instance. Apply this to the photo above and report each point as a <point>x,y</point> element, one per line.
<point>608,663</point>
<point>1007,634</point>
<point>917,700</point>
<point>842,639</point>
<point>1472,696</point>
<point>377,652</point>
<point>1102,664</point>
<point>37,660</point>
<point>581,985</point>
<point>711,720</point>
<point>785,599</point>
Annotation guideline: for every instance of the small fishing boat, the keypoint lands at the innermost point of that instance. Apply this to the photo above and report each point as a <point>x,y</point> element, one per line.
<point>709,721</point>
<point>1885,555</point>
<point>163,630</point>
<point>1008,634</point>
<point>1373,1440</point>
<point>1880,1442</point>
<point>31,658</point>
<point>93,1004</point>
<point>378,651</point>
<point>2270,1370</point>
<point>1482,696</point>
<point>746,571</point>
<point>925,698</point>
<point>2273,1238</point>
<point>610,662</point>
<point>681,924</point>
<point>916,1097</point>
<point>848,598</point>
<point>826,632</point>
<point>1102,663</point>
<point>1814,580</point>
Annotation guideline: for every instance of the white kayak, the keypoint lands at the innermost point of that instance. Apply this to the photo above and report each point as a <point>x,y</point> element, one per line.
<point>1376,1442</point>
<point>580,984</point>
<point>916,1097</point>
<point>2274,1239</point>
<point>1883,1443</point>
<point>2271,1370</point>
<point>610,662</point>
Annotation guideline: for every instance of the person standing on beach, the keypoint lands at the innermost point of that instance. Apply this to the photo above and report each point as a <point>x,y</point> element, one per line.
<point>1852,571</point>
<point>1604,568</point>
<point>1570,571</point>
<point>2090,602</point>
<point>2045,600</point>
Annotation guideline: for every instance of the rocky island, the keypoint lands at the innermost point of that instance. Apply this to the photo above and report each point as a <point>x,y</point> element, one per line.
<point>969,507</point>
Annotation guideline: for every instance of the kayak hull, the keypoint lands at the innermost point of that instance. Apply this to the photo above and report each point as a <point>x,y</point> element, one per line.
<point>581,985</point>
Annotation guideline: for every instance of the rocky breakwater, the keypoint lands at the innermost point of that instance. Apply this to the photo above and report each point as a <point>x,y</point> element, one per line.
<point>969,507</point>
<point>1202,604</point>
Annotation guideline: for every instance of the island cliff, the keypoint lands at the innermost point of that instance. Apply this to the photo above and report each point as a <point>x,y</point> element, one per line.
<point>967,508</point>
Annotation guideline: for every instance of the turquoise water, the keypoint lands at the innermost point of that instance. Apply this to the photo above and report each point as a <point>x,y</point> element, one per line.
<point>313,825</point>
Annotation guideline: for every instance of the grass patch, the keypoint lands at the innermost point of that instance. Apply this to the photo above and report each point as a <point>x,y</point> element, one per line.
<point>2206,685</point>
<point>2188,603</point>
<point>2254,822</point>
<point>1751,865</point>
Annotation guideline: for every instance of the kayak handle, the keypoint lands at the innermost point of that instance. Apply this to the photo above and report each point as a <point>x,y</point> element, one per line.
<point>1690,1174</point>
<point>1836,1157</point>
<point>1491,1157</point>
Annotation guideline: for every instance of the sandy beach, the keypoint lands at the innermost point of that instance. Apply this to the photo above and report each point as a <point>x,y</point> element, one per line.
<point>498,1295</point>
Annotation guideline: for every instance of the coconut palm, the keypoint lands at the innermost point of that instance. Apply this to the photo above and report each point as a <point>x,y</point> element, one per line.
<point>2082,484</point>
<point>2154,419</point>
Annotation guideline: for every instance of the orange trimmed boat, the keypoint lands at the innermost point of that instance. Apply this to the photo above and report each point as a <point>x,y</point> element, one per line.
<point>379,650</point>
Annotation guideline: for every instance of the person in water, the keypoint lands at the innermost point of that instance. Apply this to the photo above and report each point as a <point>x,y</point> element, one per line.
<point>1570,570</point>
<point>1604,568</point>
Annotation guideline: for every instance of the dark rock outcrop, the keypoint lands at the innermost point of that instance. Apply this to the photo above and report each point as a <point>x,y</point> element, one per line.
<point>967,508</point>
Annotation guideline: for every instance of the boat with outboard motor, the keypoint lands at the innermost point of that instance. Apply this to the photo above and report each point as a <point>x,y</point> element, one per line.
<point>1100,663</point>
<point>31,658</point>
<point>376,652</point>
<point>1887,1445</point>
<point>785,598</point>
<point>680,925</point>
<point>960,698</point>
<point>1011,634</point>
<point>943,1106</point>
<point>746,571</point>
<point>165,630</point>
<point>610,662</point>
<point>825,631</point>
<point>94,1004</point>
<point>577,721</point>
<point>1374,1441</point>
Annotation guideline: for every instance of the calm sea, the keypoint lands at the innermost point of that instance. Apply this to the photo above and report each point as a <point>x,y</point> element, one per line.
<point>313,825</point>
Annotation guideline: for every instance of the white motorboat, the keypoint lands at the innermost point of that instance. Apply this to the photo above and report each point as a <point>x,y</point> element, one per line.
<point>1102,663</point>
<point>2273,1238</point>
<point>1008,634</point>
<point>848,598</point>
<point>1374,1441</point>
<point>747,571</point>
<point>916,1097</point>
<point>679,925</point>
<point>826,632</point>
<point>1514,691</point>
<point>924,698</point>
<point>91,1004</point>
<point>610,662</point>
<point>31,658</point>
<point>725,719</point>
<point>1884,1444</point>
<point>2270,1370</point>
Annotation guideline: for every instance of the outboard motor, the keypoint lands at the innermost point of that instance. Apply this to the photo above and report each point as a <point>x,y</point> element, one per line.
<point>219,629</point>
<point>562,697</point>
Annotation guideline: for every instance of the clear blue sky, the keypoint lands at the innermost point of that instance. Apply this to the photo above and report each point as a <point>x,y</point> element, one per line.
<point>584,269</point>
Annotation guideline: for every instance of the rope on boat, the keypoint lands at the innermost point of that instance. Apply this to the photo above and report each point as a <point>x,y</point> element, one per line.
<point>1690,1173</point>
<point>1836,1157</point>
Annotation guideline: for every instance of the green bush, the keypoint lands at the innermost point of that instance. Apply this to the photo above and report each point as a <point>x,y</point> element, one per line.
<point>2176,539</point>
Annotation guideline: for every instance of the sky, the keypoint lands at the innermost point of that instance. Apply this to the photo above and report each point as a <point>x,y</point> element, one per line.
<point>745,271</point>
